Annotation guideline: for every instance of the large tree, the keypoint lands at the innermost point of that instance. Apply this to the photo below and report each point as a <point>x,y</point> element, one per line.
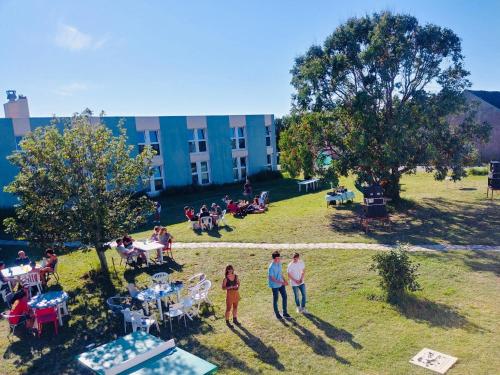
<point>377,96</point>
<point>78,184</point>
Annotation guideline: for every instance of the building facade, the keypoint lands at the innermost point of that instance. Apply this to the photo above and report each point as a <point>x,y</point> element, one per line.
<point>198,150</point>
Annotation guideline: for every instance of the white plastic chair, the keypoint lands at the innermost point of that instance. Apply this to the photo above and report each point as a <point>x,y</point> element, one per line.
<point>54,272</point>
<point>160,278</point>
<point>199,294</point>
<point>6,315</point>
<point>132,289</point>
<point>4,292</point>
<point>222,219</point>
<point>127,258</point>
<point>188,304</point>
<point>207,223</point>
<point>138,321</point>
<point>176,310</point>
<point>195,280</point>
<point>30,280</point>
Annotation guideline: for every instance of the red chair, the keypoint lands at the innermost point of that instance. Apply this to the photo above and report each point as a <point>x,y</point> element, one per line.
<point>168,248</point>
<point>47,315</point>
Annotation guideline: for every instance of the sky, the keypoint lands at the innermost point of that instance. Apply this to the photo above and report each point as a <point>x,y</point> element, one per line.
<point>197,57</point>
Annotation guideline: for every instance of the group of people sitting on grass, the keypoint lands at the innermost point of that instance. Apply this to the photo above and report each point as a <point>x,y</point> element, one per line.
<point>243,207</point>
<point>47,267</point>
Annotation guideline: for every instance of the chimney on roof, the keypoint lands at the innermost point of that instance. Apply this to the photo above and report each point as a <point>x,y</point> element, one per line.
<point>16,107</point>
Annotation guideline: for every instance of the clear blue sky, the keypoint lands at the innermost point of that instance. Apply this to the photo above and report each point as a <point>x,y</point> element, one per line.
<point>197,57</point>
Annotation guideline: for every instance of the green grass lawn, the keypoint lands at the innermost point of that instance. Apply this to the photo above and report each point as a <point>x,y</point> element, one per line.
<point>431,212</point>
<point>351,330</point>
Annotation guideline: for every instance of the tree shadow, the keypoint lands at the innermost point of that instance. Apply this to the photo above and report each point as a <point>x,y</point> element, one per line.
<point>333,332</point>
<point>482,261</point>
<point>434,314</point>
<point>316,343</point>
<point>430,221</point>
<point>263,352</point>
<point>169,266</point>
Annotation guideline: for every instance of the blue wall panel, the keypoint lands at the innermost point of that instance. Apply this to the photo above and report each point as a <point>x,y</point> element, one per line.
<point>36,122</point>
<point>7,170</point>
<point>256,139</point>
<point>273,142</point>
<point>174,141</point>
<point>219,144</point>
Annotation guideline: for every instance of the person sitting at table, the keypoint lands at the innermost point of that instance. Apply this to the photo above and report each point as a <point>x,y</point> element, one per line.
<point>255,207</point>
<point>22,259</point>
<point>49,266</point>
<point>120,246</point>
<point>214,213</point>
<point>156,233</point>
<point>128,241</point>
<point>20,311</point>
<point>164,239</point>
<point>203,213</point>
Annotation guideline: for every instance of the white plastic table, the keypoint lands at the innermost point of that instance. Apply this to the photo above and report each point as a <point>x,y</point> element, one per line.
<point>341,197</point>
<point>14,273</point>
<point>55,299</point>
<point>149,247</point>
<point>313,182</point>
<point>157,292</point>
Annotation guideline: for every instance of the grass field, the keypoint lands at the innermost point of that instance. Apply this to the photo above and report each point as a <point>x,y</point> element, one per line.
<point>351,330</point>
<point>431,212</point>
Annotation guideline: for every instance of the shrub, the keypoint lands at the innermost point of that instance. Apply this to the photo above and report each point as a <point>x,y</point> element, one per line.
<point>478,171</point>
<point>398,274</point>
<point>265,176</point>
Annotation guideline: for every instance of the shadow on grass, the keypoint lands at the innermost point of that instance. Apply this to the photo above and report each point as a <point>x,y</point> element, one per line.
<point>429,221</point>
<point>169,266</point>
<point>483,262</point>
<point>434,314</point>
<point>333,332</point>
<point>88,323</point>
<point>316,343</point>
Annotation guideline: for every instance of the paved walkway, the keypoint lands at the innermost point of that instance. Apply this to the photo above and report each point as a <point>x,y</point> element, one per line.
<point>298,246</point>
<point>328,245</point>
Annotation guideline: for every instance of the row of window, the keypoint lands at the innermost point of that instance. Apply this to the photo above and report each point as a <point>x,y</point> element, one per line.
<point>198,139</point>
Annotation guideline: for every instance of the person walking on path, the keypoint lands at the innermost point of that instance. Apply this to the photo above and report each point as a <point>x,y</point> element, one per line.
<point>231,284</point>
<point>296,271</point>
<point>278,284</point>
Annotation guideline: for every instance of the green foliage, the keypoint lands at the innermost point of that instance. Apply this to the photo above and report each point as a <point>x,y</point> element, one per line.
<point>78,185</point>
<point>398,274</point>
<point>367,94</point>
<point>478,171</point>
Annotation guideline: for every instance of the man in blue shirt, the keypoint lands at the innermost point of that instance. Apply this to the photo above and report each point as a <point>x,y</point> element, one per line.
<point>278,284</point>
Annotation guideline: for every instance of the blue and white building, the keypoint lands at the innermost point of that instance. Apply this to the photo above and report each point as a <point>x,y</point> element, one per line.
<point>197,150</point>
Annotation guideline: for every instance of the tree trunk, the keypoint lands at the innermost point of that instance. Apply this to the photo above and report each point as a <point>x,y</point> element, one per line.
<point>102,258</point>
<point>392,189</point>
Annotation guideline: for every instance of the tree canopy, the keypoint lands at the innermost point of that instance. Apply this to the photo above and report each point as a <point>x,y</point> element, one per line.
<point>78,185</point>
<point>377,96</point>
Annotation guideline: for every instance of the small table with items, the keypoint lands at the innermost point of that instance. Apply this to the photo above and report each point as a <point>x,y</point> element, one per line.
<point>157,292</point>
<point>313,182</point>
<point>55,299</point>
<point>149,247</point>
<point>340,196</point>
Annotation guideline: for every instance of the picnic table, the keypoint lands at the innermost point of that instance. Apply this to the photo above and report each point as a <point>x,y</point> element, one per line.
<point>149,247</point>
<point>55,299</point>
<point>339,197</point>
<point>140,353</point>
<point>156,293</point>
<point>313,182</point>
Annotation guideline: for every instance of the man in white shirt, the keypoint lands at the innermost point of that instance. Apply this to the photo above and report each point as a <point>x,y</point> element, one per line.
<point>296,271</point>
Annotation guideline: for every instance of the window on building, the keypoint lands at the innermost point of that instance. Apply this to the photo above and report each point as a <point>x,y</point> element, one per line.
<point>238,138</point>
<point>200,173</point>
<point>239,168</point>
<point>269,162</point>
<point>197,140</point>
<point>268,136</point>
<point>148,137</point>
<point>156,179</point>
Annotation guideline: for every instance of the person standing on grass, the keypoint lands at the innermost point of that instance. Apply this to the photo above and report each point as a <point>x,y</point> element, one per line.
<point>231,284</point>
<point>278,284</point>
<point>296,271</point>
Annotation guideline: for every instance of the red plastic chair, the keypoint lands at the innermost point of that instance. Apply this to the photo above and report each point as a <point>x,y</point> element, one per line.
<point>168,248</point>
<point>47,315</point>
